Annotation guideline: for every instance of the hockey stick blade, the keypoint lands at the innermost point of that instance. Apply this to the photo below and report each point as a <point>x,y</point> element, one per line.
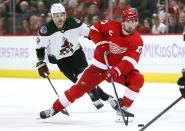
<point>160,114</point>
<point>64,112</point>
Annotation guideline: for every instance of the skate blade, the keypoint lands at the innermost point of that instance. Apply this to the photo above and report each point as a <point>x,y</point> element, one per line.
<point>38,118</point>
<point>64,112</point>
<point>120,120</point>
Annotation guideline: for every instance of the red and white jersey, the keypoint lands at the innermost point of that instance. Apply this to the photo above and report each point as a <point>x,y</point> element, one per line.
<point>125,50</point>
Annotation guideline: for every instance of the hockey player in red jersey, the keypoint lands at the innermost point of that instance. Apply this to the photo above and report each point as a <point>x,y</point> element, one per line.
<point>124,46</point>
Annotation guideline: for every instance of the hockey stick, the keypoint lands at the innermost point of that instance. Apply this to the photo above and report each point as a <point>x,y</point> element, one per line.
<point>160,114</point>
<point>64,111</point>
<point>112,81</point>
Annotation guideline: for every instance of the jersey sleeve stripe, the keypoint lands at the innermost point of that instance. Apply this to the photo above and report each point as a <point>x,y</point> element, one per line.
<point>118,71</point>
<point>103,42</point>
<point>99,64</point>
<point>94,28</point>
<point>131,60</point>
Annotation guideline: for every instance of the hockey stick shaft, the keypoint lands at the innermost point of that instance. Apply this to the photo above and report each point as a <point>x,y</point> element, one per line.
<point>67,113</point>
<point>114,87</point>
<point>52,86</point>
<point>160,114</point>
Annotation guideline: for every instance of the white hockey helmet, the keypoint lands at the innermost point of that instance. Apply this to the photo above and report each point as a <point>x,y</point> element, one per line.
<point>57,8</point>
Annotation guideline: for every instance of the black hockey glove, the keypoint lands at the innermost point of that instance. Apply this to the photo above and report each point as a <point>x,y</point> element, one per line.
<point>43,69</point>
<point>181,83</point>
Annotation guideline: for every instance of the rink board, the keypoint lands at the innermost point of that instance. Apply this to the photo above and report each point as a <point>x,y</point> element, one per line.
<point>149,77</point>
<point>161,61</point>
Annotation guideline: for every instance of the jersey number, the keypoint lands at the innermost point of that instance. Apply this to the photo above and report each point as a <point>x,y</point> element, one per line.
<point>139,49</point>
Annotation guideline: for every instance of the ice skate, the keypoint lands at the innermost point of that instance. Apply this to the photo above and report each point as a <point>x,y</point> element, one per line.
<point>98,104</point>
<point>47,113</point>
<point>113,102</point>
<point>125,111</point>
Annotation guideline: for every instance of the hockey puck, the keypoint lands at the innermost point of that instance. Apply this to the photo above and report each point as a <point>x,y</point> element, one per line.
<point>140,125</point>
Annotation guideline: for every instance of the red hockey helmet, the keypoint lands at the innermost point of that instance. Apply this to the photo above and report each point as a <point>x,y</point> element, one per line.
<point>129,20</point>
<point>129,14</point>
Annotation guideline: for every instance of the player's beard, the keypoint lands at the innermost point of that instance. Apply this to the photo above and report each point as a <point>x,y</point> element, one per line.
<point>59,24</point>
<point>128,28</point>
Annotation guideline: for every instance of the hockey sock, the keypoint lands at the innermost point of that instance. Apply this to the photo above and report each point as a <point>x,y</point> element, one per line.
<point>57,106</point>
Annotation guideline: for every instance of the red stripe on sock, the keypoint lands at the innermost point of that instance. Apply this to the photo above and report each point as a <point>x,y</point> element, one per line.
<point>57,106</point>
<point>126,102</point>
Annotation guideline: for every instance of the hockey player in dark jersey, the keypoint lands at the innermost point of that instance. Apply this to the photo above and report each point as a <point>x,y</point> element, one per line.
<point>59,40</point>
<point>181,80</point>
<point>181,83</point>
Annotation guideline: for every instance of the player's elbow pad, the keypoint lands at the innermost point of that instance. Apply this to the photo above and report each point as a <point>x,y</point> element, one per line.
<point>95,36</point>
<point>125,67</point>
<point>40,54</point>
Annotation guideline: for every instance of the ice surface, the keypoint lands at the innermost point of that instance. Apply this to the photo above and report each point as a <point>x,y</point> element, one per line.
<point>21,100</point>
